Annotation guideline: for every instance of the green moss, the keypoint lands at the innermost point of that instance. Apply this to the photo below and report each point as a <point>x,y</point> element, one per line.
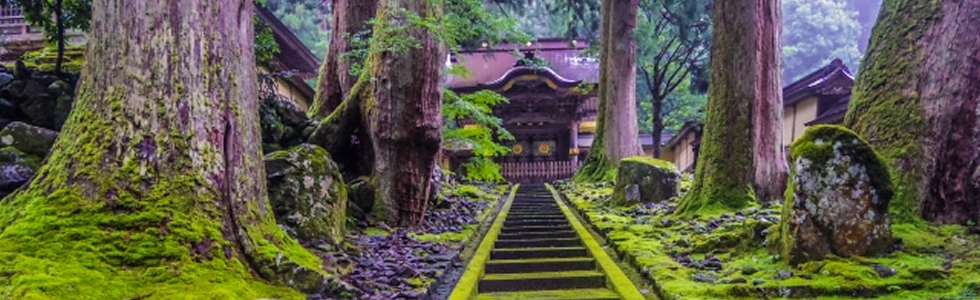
<point>884,109</point>
<point>375,231</point>
<point>98,223</point>
<point>647,244</point>
<point>659,163</point>
<point>449,236</point>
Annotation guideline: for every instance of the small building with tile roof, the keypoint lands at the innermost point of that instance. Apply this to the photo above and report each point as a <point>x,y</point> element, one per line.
<point>821,97</point>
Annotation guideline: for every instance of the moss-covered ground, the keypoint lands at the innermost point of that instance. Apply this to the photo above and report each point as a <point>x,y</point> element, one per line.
<point>728,255</point>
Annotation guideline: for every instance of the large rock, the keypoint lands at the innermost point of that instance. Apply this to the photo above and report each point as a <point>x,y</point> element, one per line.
<point>837,200</point>
<point>307,193</point>
<point>645,179</point>
<point>14,170</point>
<point>29,139</point>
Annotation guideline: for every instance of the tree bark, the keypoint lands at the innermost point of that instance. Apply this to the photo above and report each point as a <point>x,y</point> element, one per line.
<point>398,101</point>
<point>158,168</point>
<point>405,120</point>
<point>596,166</point>
<point>60,27</point>
<point>741,147</point>
<point>658,124</point>
<point>916,101</point>
<point>617,93</point>
<point>622,136</point>
<point>350,17</point>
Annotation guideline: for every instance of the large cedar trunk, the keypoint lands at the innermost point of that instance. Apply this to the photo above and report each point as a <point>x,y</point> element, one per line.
<point>617,131</point>
<point>916,101</point>
<point>405,119</point>
<point>158,168</point>
<point>741,142</point>
<point>397,107</point>
<point>596,165</point>
<point>621,128</point>
<point>350,17</point>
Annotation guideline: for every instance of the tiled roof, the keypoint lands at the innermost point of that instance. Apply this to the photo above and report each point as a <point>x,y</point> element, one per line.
<point>834,115</point>
<point>492,64</point>
<point>293,55</point>
<point>834,75</point>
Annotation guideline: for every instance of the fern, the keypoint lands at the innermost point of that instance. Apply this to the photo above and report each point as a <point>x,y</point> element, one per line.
<point>481,137</point>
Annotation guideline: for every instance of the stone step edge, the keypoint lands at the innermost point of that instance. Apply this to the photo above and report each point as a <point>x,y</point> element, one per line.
<point>617,280</point>
<point>466,287</point>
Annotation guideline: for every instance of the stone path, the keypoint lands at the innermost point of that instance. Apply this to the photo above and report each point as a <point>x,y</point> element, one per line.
<point>539,254</point>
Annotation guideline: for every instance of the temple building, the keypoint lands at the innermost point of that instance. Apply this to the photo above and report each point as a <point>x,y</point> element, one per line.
<point>821,97</point>
<point>552,110</point>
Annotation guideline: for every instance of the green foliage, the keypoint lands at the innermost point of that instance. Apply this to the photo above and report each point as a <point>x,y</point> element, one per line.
<point>75,14</point>
<point>815,33</point>
<point>466,24</point>
<point>673,39</point>
<point>482,137</point>
<point>265,43</point>
<point>309,20</point>
<point>579,18</point>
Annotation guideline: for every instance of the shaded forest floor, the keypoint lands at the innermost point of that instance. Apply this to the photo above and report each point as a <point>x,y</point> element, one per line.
<point>728,256</point>
<point>379,262</point>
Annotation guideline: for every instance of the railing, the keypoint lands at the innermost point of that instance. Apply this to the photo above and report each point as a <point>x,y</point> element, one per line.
<point>538,171</point>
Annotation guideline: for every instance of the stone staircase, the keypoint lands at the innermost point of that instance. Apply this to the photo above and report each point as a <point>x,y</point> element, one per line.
<point>538,255</point>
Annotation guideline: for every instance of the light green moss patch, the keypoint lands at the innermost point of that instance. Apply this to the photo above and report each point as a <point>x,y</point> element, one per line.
<point>650,237</point>
<point>449,236</point>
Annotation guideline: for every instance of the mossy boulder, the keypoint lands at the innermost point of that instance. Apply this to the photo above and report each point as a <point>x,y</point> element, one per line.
<point>837,200</point>
<point>307,193</point>
<point>29,139</point>
<point>645,179</point>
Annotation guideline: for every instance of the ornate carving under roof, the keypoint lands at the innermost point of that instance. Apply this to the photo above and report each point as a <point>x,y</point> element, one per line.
<point>491,67</point>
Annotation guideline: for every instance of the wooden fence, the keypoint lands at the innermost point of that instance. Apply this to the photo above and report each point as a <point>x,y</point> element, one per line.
<point>538,171</point>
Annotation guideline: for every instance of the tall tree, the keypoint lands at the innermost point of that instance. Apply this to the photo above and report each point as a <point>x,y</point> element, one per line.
<point>394,110</point>
<point>916,101</point>
<point>675,40</point>
<point>617,133</point>
<point>155,185</point>
<point>741,149</point>
<point>350,21</point>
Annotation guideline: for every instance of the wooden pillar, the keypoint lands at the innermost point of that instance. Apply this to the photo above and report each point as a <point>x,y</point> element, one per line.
<point>573,142</point>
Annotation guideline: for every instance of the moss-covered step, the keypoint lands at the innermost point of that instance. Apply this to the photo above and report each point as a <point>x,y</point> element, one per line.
<point>550,228</point>
<point>541,265</point>
<point>554,216</point>
<point>542,281</point>
<point>534,222</point>
<point>524,253</point>
<point>539,243</point>
<point>579,294</point>
<point>537,235</point>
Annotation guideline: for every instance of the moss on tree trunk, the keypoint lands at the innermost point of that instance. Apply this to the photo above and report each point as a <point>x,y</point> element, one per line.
<point>155,188</point>
<point>394,110</point>
<point>741,149</point>
<point>615,140</point>
<point>350,17</point>
<point>916,101</point>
